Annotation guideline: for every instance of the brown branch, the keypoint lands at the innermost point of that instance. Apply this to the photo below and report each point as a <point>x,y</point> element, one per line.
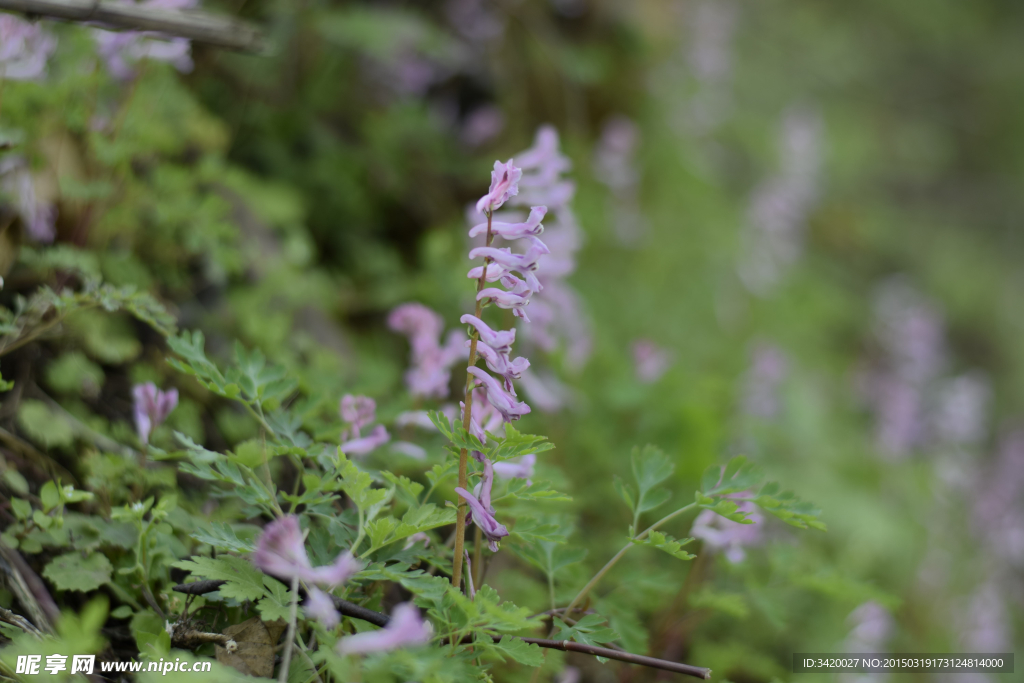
<point>201,27</point>
<point>353,610</point>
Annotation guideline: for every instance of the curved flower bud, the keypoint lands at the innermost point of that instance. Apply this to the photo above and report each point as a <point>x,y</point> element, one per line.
<point>500,364</point>
<point>492,529</point>
<point>406,627</point>
<point>361,446</point>
<point>517,469</point>
<point>502,401</point>
<point>500,341</point>
<point>152,407</point>
<point>504,299</point>
<point>319,606</point>
<point>504,185</point>
<point>514,231</point>
<point>495,271</point>
<point>523,263</point>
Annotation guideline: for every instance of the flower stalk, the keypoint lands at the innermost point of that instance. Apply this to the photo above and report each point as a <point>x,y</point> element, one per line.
<point>460,518</point>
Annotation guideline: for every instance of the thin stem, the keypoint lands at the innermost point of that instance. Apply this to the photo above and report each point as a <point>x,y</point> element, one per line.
<point>460,515</point>
<point>478,557</point>
<point>618,556</point>
<point>293,615</point>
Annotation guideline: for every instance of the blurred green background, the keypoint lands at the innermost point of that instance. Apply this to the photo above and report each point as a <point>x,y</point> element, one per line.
<point>801,242</point>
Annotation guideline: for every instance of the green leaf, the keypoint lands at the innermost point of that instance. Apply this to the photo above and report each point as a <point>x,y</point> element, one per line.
<point>221,536</point>
<point>74,572</point>
<point>622,488</point>
<point>244,581</point>
<point>590,630</point>
<point>278,602</point>
<point>726,507</point>
<point>49,495</point>
<point>788,507</point>
<point>44,426</point>
<point>670,545</point>
<point>738,475</point>
<point>650,467</point>
<point>525,653</point>
<point>22,508</point>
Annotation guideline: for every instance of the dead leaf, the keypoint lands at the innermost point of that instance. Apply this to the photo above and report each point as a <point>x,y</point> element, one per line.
<point>257,642</point>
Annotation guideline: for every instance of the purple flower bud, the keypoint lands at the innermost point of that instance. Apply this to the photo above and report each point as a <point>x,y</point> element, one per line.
<point>281,552</point>
<point>517,469</point>
<point>363,445</point>
<point>152,407</point>
<point>504,185</point>
<point>499,341</point>
<point>514,231</point>
<point>502,401</point>
<point>406,627</point>
<point>500,364</point>
<point>319,606</point>
<point>495,271</point>
<point>523,263</point>
<point>484,518</point>
<point>506,300</point>
<point>358,411</point>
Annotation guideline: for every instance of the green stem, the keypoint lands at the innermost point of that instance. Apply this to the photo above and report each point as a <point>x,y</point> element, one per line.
<point>618,556</point>
<point>286,659</point>
<point>460,515</point>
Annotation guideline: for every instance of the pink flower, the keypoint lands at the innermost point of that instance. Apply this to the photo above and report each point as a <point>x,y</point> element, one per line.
<point>504,185</point>
<point>501,341</point>
<point>431,362</point>
<point>517,469</point>
<point>281,552</point>
<point>24,49</point>
<point>406,627</point>
<point>363,445</point>
<point>514,231</point>
<point>320,606</point>
<point>495,271</point>
<point>650,360</point>
<point>482,515</point>
<point>358,411</point>
<point>38,218</point>
<point>121,49</point>
<point>720,533</point>
<point>152,407</point>
<point>500,364</point>
<point>502,401</point>
<point>484,419</point>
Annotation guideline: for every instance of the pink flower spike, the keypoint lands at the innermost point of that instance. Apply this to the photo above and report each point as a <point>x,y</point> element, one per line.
<point>319,606</point>
<point>406,627</point>
<point>504,185</point>
<point>151,408</point>
<point>361,446</point>
<point>502,401</point>
<point>499,341</point>
<point>522,263</point>
<point>514,231</point>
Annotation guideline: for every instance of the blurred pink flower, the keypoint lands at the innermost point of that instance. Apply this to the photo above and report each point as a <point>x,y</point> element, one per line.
<point>719,533</point>
<point>430,373</point>
<point>120,50</point>
<point>281,551</point>
<point>650,361</point>
<point>358,411</point>
<point>520,468</point>
<point>761,387</point>
<point>38,218</point>
<point>406,627</point>
<point>320,606</point>
<point>24,49</point>
<point>151,408</point>
<point>366,444</point>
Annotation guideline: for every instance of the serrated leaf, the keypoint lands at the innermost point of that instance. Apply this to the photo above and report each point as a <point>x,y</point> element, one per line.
<point>277,603</point>
<point>726,507</point>
<point>244,581</point>
<point>788,507</point>
<point>74,572</point>
<point>622,488</point>
<point>525,653</point>
<point>666,543</point>
<point>737,475</point>
<point>221,536</point>
<point>650,467</point>
<point>653,499</point>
